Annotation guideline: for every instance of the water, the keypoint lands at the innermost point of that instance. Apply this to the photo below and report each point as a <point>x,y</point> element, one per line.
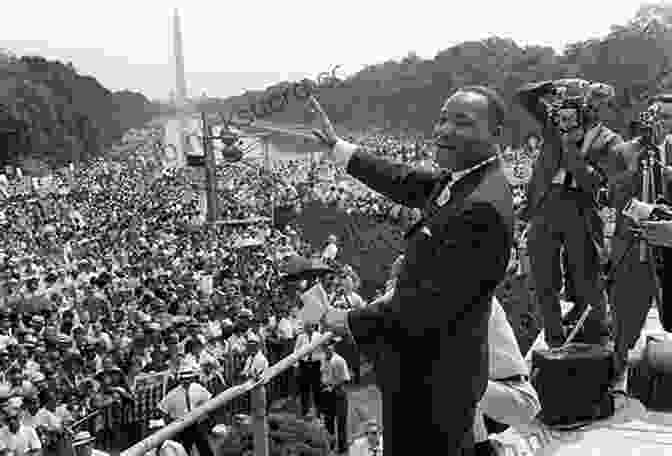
<point>284,148</point>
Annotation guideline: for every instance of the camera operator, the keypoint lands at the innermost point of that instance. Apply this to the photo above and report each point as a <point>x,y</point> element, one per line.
<point>562,206</point>
<point>634,283</point>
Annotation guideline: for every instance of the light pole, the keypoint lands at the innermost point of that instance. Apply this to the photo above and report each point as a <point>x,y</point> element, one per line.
<point>210,171</point>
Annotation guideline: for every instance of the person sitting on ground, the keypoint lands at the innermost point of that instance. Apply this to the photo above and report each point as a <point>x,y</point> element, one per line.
<point>509,398</point>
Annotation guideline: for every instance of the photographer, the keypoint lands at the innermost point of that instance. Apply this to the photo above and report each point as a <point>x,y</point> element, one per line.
<point>634,283</point>
<point>562,206</point>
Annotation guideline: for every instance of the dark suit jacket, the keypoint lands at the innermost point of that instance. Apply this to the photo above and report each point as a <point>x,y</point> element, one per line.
<point>447,279</point>
<point>600,156</point>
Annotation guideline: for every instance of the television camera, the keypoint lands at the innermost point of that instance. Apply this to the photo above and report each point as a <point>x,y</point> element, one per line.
<point>650,127</point>
<point>575,107</point>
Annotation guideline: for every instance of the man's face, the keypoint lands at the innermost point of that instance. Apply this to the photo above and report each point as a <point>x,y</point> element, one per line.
<point>463,130</point>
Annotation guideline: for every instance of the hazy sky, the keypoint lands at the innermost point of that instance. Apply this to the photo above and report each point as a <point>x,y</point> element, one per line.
<point>231,46</point>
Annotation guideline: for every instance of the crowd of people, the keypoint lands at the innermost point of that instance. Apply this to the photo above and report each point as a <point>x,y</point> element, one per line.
<point>108,276</point>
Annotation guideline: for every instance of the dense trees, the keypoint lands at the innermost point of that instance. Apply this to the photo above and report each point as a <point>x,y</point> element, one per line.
<point>50,113</point>
<point>636,58</point>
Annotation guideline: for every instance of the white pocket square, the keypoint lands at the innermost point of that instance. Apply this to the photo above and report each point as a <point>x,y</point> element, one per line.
<point>426,231</point>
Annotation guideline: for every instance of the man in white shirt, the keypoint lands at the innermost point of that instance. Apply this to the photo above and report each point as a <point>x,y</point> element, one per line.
<point>256,362</point>
<point>350,299</point>
<point>309,369</point>
<point>509,397</point>
<point>371,444</point>
<point>181,400</point>
<point>334,400</point>
<point>331,250</point>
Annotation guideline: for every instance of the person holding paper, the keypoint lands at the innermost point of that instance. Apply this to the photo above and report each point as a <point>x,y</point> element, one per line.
<point>429,342</point>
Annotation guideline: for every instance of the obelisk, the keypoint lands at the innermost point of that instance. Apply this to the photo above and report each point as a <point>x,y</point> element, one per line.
<point>178,128</point>
<point>180,80</point>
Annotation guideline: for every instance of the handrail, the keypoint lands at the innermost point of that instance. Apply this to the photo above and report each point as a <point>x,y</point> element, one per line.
<point>177,426</point>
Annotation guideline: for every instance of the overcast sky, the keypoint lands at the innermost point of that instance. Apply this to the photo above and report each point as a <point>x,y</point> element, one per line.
<point>231,46</point>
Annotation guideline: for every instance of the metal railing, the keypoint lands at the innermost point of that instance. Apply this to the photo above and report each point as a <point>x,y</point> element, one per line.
<point>257,389</point>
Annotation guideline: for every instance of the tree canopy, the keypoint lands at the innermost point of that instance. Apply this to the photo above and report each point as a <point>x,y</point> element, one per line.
<point>51,113</point>
<point>636,58</point>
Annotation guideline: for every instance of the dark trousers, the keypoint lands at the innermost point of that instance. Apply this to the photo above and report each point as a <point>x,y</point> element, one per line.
<point>310,385</point>
<point>665,309</point>
<point>335,406</point>
<point>423,399</point>
<point>570,292</point>
<point>633,290</point>
<point>631,293</point>
<point>348,349</point>
<point>561,223</point>
<point>197,435</point>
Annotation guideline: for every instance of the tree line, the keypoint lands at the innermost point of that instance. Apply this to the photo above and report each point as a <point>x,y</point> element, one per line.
<point>51,115</point>
<point>406,95</point>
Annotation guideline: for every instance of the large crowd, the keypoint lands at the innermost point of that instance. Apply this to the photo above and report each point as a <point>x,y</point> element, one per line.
<point>107,275</point>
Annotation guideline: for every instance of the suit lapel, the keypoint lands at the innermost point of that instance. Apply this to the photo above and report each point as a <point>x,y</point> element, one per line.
<point>461,190</point>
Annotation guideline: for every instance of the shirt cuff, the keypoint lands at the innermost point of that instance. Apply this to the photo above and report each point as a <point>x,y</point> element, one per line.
<point>343,150</point>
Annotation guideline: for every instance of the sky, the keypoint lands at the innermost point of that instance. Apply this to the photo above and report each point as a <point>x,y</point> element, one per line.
<point>233,46</point>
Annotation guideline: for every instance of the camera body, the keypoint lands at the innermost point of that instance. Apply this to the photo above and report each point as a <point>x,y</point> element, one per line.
<point>567,113</point>
<point>649,125</point>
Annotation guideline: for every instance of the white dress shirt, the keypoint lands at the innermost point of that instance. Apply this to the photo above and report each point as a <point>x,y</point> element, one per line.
<point>505,358</point>
<point>175,402</point>
<point>255,365</point>
<point>303,340</point>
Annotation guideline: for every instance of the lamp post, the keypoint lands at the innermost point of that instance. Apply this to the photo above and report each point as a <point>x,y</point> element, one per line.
<point>210,171</point>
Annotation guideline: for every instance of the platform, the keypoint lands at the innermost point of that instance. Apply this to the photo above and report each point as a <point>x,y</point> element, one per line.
<point>633,431</point>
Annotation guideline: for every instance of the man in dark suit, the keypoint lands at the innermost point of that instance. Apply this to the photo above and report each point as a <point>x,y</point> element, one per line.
<point>429,341</point>
<point>562,208</point>
<point>634,280</point>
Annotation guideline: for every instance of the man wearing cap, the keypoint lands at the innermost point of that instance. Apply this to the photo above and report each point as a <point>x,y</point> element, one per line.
<point>181,400</point>
<point>455,257</point>
<point>335,375</point>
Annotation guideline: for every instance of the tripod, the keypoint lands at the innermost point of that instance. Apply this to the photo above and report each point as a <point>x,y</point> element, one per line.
<point>647,253</point>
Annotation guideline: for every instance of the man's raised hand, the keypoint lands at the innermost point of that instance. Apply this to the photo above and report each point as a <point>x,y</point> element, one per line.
<point>339,151</point>
<point>326,132</point>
